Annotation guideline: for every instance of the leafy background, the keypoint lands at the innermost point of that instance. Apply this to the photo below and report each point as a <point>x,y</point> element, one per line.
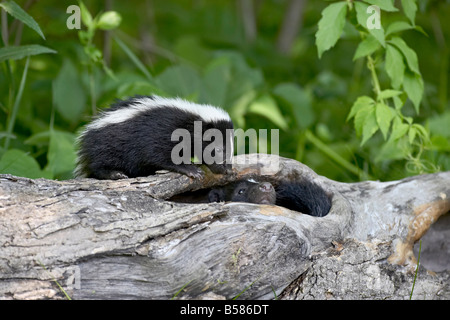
<point>258,59</point>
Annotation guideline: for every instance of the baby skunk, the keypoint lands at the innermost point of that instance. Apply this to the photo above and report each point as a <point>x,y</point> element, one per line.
<point>305,196</point>
<point>244,191</point>
<point>133,138</point>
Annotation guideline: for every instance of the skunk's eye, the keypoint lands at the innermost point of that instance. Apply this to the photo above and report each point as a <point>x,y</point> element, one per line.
<point>241,191</point>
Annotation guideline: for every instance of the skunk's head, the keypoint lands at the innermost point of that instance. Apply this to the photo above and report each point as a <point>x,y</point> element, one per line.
<point>254,192</point>
<point>218,146</point>
<point>245,191</point>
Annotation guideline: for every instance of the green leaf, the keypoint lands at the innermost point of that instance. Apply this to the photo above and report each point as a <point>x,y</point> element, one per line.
<point>69,96</point>
<point>393,150</point>
<point>17,12</point>
<point>19,52</point>
<point>384,117</point>
<point>133,58</point>
<point>190,47</point>
<point>398,26</point>
<point>180,80</point>
<point>361,118</point>
<point>239,107</point>
<point>5,134</point>
<point>413,85</point>
<point>300,102</point>
<point>439,143</point>
<point>420,29</point>
<point>267,107</point>
<point>371,21</point>
<point>241,80</point>
<point>438,124</point>
<point>412,132</point>
<point>368,46</point>
<point>330,26</point>
<point>399,129</point>
<point>369,126</point>
<point>386,5</point>
<point>139,88</point>
<point>86,16</point>
<point>389,93</point>
<point>360,103</point>
<point>421,131</point>
<point>93,53</point>
<point>399,101</point>
<point>410,9</point>
<point>19,163</point>
<point>216,77</point>
<point>408,119</point>
<point>61,154</point>
<point>409,54</point>
<point>85,36</point>
<point>395,67</point>
<point>39,139</point>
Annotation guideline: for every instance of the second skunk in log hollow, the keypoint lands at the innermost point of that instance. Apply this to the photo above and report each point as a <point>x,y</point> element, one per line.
<point>305,196</point>
<point>134,138</point>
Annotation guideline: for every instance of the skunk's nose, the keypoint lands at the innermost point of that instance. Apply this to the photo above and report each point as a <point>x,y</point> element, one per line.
<point>228,169</point>
<point>265,187</point>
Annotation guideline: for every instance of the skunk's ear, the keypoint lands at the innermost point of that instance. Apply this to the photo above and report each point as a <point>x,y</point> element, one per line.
<point>216,195</point>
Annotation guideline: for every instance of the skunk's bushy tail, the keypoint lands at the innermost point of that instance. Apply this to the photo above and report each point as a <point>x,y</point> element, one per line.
<point>305,197</point>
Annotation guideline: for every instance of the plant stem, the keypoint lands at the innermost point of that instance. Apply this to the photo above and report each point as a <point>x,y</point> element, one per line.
<point>376,83</point>
<point>350,5</point>
<point>182,288</point>
<point>15,108</point>
<point>417,269</point>
<point>92,89</point>
<point>56,281</point>
<point>4,18</point>
<point>5,39</point>
<point>445,56</point>
<point>300,147</point>
<point>133,58</point>
<point>334,156</point>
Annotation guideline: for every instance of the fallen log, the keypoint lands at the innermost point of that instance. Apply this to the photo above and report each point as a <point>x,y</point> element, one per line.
<point>138,239</point>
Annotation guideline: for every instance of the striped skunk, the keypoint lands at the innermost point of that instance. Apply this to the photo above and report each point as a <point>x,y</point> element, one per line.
<point>141,135</point>
<point>244,191</point>
<point>305,196</point>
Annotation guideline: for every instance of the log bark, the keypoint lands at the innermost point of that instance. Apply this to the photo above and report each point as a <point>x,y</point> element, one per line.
<point>130,239</point>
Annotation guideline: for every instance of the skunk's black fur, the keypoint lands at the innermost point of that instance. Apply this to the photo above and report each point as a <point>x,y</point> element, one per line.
<point>305,196</point>
<point>133,138</point>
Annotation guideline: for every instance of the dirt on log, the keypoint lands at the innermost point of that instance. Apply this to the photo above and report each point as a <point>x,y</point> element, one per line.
<point>149,238</point>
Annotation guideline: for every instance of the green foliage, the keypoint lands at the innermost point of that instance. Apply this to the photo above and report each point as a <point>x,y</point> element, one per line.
<point>105,21</point>
<point>383,112</point>
<point>320,97</point>
<point>331,26</point>
<point>16,11</point>
<point>19,163</point>
<point>20,52</point>
<point>69,96</point>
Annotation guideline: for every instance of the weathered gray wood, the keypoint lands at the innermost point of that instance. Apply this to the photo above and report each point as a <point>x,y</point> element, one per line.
<point>124,239</point>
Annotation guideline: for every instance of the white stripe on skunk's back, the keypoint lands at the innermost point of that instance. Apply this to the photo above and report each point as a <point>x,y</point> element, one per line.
<point>207,112</point>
